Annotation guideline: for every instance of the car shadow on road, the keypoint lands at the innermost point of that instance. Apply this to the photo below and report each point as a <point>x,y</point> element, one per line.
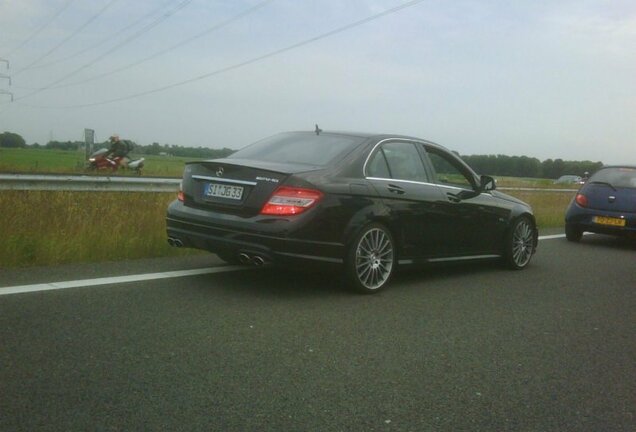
<point>607,241</point>
<point>280,282</point>
<point>285,283</point>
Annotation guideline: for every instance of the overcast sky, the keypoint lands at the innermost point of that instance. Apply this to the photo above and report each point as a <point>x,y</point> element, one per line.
<point>546,79</point>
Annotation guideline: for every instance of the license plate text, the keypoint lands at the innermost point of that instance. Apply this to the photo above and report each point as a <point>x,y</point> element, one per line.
<point>224,191</point>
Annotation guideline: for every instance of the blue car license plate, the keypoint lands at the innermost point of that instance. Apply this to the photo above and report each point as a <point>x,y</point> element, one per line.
<point>601,220</point>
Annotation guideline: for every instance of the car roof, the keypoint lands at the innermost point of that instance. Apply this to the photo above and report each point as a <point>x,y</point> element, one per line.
<point>618,166</point>
<point>371,135</point>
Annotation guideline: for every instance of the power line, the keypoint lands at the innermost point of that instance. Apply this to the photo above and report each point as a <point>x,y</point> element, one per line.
<point>42,27</point>
<point>69,37</point>
<point>148,27</point>
<point>246,62</point>
<point>102,42</point>
<point>173,47</point>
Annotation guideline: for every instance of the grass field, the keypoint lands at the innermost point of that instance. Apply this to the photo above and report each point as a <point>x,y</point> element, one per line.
<point>49,228</point>
<point>549,207</point>
<point>46,228</point>
<point>70,162</point>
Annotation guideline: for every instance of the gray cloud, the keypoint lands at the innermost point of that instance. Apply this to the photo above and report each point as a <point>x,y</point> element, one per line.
<point>534,78</point>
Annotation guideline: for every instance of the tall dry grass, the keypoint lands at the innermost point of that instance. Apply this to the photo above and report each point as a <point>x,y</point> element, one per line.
<point>549,207</point>
<point>47,227</point>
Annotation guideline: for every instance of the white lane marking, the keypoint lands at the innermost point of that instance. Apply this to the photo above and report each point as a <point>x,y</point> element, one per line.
<point>550,237</point>
<point>115,280</point>
<point>18,289</point>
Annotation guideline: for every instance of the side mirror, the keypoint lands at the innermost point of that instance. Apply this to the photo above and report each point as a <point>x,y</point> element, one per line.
<point>487,183</point>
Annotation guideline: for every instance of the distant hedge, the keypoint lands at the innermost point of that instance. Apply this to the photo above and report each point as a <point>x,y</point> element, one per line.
<point>523,166</point>
<point>152,149</point>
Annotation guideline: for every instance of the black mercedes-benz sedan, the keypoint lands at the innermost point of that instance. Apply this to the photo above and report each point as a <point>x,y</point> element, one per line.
<point>366,202</point>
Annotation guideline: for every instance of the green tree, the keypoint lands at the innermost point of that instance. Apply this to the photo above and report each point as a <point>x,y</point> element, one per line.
<point>527,167</point>
<point>547,168</point>
<point>558,168</point>
<point>9,139</point>
<point>524,166</point>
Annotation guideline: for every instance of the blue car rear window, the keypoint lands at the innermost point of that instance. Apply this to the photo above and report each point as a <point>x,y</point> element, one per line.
<point>617,177</point>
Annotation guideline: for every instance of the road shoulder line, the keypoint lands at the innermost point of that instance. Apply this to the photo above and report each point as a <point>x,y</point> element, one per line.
<point>114,280</point>
<point>19,289</point>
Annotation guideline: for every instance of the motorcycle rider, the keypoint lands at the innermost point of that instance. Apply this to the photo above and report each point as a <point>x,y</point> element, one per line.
<point>118,149</point>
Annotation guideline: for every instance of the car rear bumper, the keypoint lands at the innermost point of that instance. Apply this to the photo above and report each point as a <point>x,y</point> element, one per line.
<point>274,242</point>
<point>585,219</point>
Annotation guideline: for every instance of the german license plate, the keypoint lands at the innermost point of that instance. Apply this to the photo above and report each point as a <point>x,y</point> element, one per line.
<point>602,220</point>
<point>223,191</point>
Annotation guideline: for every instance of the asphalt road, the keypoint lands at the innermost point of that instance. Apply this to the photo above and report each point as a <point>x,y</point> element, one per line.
<point>453,348</point>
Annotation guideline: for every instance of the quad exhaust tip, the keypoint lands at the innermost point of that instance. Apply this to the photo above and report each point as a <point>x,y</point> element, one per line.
<point>175,242</point>
<point>245,258</point>
<point>255,260</point>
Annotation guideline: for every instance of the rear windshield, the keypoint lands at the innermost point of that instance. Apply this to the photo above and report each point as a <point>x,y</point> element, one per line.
<point>303,148</point>
<point>617,177</point>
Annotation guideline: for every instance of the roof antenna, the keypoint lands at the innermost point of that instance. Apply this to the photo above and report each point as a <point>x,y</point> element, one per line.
<point>318,130</point>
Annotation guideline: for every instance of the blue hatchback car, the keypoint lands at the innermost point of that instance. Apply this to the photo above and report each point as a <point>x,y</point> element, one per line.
<point>605,204</point>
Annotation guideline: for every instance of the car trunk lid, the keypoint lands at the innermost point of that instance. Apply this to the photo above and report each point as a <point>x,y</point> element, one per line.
<point>604,197</point>
<point>235,186</point>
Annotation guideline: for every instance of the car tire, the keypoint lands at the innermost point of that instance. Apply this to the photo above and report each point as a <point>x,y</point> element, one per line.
<point>573,233</point>
<point>371,259</point>
<point>520,243</point>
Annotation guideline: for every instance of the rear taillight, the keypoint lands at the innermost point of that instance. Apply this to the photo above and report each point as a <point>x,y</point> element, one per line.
<point>180,194</point>
<point>581,200</point>
<point>287,201</point>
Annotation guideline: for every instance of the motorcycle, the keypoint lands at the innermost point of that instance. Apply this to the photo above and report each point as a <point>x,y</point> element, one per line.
<point>101,160</point>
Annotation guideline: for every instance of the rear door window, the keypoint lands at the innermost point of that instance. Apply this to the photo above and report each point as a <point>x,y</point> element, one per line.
<point>397,160</point>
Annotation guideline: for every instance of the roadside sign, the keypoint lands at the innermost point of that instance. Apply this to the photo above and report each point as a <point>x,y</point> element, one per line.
<point>89,140</point>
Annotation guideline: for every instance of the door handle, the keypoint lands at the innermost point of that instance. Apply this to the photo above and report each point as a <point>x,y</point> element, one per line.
<point>395,189</point>
<point>453,197</point>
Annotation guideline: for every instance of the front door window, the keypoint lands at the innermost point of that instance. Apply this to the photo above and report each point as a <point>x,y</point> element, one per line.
<point>448,171</point>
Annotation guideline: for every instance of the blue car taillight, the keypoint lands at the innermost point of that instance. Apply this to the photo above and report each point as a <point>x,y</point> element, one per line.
<point>581,200</point>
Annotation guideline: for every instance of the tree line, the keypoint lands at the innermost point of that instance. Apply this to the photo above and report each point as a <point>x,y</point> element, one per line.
<point>495,165</point>
<point>523,166</point>
<point>12,140</point>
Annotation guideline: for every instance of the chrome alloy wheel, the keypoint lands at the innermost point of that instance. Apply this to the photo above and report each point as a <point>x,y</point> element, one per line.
<point>374,258</point>
<point>522,246</point>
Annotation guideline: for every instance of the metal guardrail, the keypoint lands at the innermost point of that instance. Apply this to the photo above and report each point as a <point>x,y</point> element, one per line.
<point>87,183</point>
<point>536,189</point>
<point>132,184</point>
